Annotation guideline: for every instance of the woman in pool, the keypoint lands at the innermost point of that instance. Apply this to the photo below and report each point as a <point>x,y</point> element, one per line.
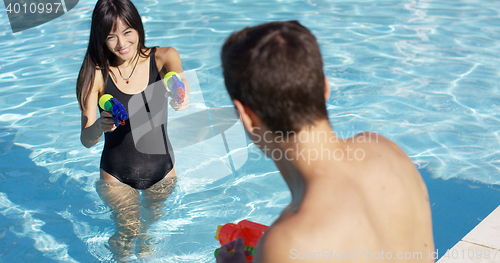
<point>117,62</point>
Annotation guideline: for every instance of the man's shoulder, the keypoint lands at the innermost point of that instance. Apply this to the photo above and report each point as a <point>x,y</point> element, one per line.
<point>378,144</point>
<point>383,158</point>
<point>372,138</point>
<point>298,238</point>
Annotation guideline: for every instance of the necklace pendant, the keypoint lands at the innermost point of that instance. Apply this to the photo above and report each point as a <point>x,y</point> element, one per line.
<point>127,79</point>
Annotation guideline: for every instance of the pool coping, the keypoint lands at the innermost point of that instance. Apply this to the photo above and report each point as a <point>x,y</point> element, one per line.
<point>482,240</point>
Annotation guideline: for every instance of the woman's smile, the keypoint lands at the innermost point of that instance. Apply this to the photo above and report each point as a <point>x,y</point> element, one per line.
<point>124,50</point>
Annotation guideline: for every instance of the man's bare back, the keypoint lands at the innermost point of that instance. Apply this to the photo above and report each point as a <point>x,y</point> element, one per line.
<point>354,200</point>
<point>356,210</point>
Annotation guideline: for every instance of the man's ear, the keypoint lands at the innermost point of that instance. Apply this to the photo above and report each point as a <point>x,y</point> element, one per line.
<point>248,118</point>
<point>327,89</point>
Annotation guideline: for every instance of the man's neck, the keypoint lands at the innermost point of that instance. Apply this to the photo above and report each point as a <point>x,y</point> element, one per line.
<point>302,159</point>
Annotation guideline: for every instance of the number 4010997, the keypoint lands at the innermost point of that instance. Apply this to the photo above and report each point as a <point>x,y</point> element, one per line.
<point>33,8</point>
<point>471,254</point>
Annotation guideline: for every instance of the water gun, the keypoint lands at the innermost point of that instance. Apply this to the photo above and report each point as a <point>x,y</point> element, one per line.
<point>173,82</point>
<point>249,231</point>
<point>112,105</point>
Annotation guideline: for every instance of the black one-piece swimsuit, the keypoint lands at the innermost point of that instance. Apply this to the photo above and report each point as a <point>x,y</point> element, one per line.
<point>120,158</point>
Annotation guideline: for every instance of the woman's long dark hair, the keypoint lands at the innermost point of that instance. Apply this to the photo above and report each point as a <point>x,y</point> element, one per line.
<point>98,56</point>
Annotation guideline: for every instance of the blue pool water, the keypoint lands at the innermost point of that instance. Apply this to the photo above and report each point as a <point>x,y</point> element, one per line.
<point>424,74</point>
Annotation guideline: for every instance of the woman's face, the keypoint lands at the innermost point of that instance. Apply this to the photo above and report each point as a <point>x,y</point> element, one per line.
<point>123,41</point>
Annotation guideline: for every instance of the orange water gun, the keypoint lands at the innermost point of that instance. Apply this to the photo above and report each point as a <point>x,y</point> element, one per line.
<point>248,230</point>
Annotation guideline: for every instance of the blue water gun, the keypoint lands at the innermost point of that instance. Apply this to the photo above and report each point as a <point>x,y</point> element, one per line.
<point>173,82</point>
<point>112,105</point>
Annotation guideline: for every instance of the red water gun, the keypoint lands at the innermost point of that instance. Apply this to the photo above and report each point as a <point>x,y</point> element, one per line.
<point>249,231</point>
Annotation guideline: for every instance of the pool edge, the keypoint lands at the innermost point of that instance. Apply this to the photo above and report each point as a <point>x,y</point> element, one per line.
<point>484,237</point>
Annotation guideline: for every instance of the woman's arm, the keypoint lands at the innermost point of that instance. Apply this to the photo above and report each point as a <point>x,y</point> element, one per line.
<point>92,128</point>
<point>171,61</point>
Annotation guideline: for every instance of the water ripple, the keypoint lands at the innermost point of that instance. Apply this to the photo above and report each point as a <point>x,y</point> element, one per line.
<point>415,71</point>
<point>97,210</point>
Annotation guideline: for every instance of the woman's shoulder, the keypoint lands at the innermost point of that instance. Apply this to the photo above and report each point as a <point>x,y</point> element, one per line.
<point>165,50</point>
<point>164,54</point>
<point>98,84</point>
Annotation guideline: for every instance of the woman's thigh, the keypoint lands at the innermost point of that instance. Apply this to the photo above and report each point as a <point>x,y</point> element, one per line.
<point>159,192</point>
<point>123,200</point>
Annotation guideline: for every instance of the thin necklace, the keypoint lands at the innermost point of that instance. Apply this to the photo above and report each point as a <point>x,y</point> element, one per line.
<point>127,79</point>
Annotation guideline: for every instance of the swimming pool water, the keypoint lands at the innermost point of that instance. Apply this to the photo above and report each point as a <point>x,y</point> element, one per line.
<point>422,73</point>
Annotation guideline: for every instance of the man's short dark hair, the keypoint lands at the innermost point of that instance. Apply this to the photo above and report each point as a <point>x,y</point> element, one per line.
<point>276,70</point>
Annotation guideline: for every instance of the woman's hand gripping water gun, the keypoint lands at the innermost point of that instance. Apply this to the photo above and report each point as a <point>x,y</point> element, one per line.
<point>175,86</point>
<point>113,106</point>
<point>228,234</point>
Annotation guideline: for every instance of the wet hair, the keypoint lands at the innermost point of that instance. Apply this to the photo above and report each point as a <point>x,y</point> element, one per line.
<point>276,70</point>
<point>98,56</point>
